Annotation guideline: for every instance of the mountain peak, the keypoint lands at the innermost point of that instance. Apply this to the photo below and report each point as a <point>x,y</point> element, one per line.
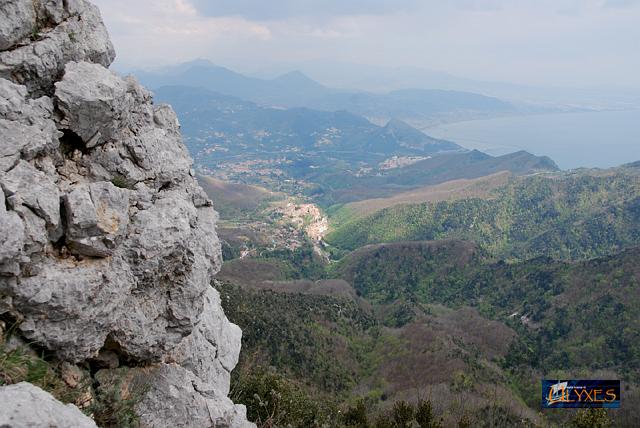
<point>413,137</point>
<point>198,62</point>
<point>295,74</point>
<point>394,123</point>
<point>297,78</point>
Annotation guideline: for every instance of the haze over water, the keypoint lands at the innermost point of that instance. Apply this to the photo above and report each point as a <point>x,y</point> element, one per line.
<point>572,140</point>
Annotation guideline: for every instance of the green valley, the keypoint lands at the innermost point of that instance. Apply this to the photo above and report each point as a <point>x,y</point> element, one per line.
<point>460,296</point>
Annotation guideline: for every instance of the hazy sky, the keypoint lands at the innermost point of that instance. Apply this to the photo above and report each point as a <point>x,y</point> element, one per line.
<point>550,42</point>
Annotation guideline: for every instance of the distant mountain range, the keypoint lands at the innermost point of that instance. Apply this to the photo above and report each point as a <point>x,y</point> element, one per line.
<point>333,156</point>
<point>295,89</point>
<point>363,77</point>
<point>220,127</point>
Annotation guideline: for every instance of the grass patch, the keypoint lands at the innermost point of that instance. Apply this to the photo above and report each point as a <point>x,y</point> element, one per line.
<point>110,406</point>
<point>121,182</point>
<point>19,364</point>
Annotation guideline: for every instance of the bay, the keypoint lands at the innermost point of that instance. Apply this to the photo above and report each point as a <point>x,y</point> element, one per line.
<point>594,139</point>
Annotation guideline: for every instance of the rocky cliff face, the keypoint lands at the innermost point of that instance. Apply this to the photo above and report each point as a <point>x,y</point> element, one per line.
<point>107,243</point>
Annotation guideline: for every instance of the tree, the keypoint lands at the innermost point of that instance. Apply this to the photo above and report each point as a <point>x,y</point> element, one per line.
<point>424,415</point>
<point>591,418</point>
<point>402,414</point>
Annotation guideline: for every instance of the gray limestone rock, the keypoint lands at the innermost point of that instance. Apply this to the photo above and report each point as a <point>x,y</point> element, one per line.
<point>23,141</point>
<point>95,102</point>
<point>97,217</point>
<point>36,237</point>
<point>11,239</point>
<point>107,243</point>
<point>27,188</point>
<point>71,306</point>
<point>19,21</point>
<point>16,106</point>
<point>212,330</point>
<point>174,397</point>
<point>117,119</point>
<point>25,405</point>
<point>37,62</point>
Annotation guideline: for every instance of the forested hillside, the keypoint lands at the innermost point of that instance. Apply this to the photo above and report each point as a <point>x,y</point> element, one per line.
<point>469,303</point>
<point>563,309</point>
<point>568,216</point>
<point>438,320</point>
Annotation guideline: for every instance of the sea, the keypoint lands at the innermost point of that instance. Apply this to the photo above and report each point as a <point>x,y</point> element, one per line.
<point>593,139</point>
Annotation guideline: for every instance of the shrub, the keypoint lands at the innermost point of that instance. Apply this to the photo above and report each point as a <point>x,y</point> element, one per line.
<point>402,414</point>
<point>114,404</point>
<point>424,415</point>
<point>121,182</point>
<point>464,422</point>
<point>273,400</point>
<point>356,415</point>
<point>591,418</point>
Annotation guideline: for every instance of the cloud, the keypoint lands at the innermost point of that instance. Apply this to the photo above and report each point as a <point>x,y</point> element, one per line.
<point>266,10</point>
<point>169,31</point>
<point>273,10</point>
<point>526,41</point>
<point>621,4</point>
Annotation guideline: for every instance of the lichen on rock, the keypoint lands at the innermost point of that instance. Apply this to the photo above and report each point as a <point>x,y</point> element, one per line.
<point>107,243</point>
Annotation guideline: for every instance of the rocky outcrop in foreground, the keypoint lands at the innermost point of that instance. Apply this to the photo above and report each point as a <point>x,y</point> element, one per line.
<point>26,405</point>
<point>107,243</point>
